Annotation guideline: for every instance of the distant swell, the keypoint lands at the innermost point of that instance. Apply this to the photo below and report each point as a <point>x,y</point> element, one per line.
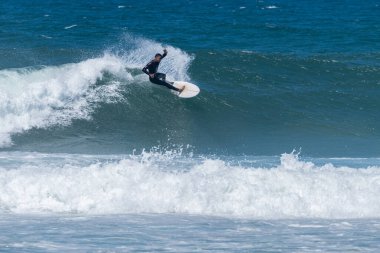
<point>155,183</point>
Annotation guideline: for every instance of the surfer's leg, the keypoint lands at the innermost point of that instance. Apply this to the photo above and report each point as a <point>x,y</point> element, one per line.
<point>169,86</point>
<point>163,83</point>
<point>160,76</point>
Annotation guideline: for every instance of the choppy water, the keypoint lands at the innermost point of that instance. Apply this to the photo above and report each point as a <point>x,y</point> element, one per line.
<point>176,233</point>
<point>87,141</point>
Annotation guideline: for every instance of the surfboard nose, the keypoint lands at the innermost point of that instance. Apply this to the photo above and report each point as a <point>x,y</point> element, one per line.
<point>190,90</point>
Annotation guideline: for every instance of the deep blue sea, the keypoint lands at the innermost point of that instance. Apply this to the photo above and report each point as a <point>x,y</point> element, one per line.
<point>280,152</point>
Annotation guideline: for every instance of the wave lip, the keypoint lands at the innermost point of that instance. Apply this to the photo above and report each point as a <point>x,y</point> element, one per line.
<point>293,189</point>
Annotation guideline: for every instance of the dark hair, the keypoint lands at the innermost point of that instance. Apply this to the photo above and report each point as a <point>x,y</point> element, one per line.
<point>158,55</point>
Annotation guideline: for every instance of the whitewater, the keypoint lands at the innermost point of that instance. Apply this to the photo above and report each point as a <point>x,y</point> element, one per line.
<point>156,183</point>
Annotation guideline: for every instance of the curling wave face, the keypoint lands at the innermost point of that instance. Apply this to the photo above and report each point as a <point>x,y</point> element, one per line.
<point>173,183</point>
<point>41,97</point>
<point>37,98</point>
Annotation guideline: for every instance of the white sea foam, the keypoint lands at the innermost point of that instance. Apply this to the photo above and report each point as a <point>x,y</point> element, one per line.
<point>46,37</point>
<point>154,184</point>
<point>52,95</point>
<point>40,97</point>
<point>70,26</point>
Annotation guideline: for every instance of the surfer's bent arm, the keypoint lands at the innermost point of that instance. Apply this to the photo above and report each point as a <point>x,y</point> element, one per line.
<point>145,69</point>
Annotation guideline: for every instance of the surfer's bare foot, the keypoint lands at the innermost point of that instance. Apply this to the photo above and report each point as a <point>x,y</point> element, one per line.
<point>182,89</point>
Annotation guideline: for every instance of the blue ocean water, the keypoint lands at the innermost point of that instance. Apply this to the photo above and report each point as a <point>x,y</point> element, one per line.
<point>279,152</point>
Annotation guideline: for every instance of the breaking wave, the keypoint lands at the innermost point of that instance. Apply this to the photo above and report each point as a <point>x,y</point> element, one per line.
<point>173,183</point>
<point>44,96</point>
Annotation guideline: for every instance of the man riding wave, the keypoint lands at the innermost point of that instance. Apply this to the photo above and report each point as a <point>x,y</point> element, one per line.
<point>159,78</point>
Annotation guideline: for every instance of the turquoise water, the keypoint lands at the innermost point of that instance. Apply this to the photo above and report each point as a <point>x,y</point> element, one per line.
<point>285,130</point>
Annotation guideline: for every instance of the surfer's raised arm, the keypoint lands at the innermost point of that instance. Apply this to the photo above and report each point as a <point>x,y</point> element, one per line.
<point>165,54</point>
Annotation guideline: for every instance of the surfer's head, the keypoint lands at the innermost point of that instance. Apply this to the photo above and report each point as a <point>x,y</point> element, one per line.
<point>158,57</point>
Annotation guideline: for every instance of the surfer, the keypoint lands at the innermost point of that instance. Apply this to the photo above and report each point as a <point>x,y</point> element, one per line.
<point>158,78</point>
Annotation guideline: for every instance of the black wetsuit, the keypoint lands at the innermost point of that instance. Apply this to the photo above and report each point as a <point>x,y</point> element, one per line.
<point>159,78</point>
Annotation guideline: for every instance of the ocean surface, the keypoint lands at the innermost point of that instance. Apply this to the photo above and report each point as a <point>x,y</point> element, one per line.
<point>280,152</point>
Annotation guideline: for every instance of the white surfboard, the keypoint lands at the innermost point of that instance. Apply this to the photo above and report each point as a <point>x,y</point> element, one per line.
<point>191,90</point>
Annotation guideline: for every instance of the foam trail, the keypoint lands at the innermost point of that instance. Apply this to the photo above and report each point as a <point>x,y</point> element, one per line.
<point>52,95</point>
<point>70,26</point>
<point>152,184</point>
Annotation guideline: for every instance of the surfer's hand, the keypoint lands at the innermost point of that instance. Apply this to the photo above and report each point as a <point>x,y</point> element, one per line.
<point>151,75</point>
<point>165,51</point>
